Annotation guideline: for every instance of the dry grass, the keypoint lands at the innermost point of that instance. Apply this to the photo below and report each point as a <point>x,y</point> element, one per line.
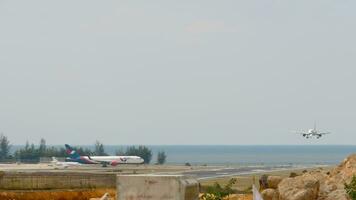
<point>240,197</point>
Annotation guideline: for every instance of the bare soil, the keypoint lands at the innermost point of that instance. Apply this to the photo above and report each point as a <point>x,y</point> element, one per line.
<point>56,194</point>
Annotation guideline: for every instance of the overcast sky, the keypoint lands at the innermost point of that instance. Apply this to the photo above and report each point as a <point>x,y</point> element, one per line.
<point>177,72</point>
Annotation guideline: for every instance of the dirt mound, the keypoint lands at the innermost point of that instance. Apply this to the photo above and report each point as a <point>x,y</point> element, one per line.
<point>56,194</point>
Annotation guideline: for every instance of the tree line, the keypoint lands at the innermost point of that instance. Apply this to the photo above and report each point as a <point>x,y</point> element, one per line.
<point>33,153</point>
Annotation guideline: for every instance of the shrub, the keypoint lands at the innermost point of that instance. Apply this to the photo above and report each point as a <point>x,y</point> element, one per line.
<point>217,192</point>
<point>351,188</point>
<point>99,149</point>
<point>293,174</point>
<point>161,157</point>
<point>141,151</point>
<point>4,147</point>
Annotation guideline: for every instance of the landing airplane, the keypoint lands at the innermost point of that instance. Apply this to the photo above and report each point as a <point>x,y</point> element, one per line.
<point>57,164</point>
<point>312,133</point>
<point>104,160</point>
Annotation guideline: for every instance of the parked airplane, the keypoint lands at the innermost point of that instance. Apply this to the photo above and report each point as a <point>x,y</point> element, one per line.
<point>312,133</point>
<point>56,163</point>
<point>104,160</point>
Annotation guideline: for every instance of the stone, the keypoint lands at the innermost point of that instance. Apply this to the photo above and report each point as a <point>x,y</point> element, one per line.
<point>273,181</point>
<point>270,194</point>
<point>299,188</point>
<point>339,194</point>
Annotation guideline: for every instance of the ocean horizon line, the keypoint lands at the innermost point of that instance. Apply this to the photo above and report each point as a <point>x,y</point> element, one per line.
<point>92,144</point>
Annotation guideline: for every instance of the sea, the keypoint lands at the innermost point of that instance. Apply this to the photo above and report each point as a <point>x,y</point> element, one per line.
<point>246,155</point>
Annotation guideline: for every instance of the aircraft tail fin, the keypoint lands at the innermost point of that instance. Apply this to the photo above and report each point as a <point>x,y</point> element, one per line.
<point>314,125</point>
<point>71,152</point>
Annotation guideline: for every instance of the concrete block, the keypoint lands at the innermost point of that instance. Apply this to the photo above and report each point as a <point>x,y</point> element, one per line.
<point>157,187</point>
<point>55,180</point>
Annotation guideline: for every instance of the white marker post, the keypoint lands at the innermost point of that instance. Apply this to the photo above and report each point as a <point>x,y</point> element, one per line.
<point>256,193</point>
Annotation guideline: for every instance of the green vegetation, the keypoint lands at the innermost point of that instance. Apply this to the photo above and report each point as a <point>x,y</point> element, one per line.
<point>32,153</point>
<point>161,157</point>
<point>142,151</point>
<point>217,192</point>
<point>120,152</point>
<point>99,149</point>
<point>4,148</point>
<point>351,188</point>
<point>43,147</point>
<point>293,174</point>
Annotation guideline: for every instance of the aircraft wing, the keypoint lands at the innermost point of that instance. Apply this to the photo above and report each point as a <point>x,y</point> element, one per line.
<point>301,132</point>
<point>324,133</point>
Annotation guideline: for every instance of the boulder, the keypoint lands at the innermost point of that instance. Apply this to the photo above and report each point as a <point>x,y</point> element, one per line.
<point>345,170</point>
<point>339,194</point>
<point>270,194</point>
<point>267,181</point>
<point>273,181</point>
<point>299,188</point>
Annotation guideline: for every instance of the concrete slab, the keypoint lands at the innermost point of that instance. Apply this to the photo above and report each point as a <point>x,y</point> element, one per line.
<point>157,187</point>
<point>55,180</point>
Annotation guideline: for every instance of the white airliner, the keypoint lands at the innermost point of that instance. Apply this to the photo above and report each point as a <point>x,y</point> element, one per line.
<point>104,160</point>
<point>115,160</point>
<point>58,164</point>
<point>312,133</point>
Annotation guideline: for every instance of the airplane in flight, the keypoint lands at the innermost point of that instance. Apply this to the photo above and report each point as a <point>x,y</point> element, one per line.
<point>104,160</point>
<point>314,132</point>
<point>57,164</point>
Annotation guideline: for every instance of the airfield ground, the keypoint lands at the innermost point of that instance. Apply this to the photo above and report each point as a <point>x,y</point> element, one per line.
<point>207,175</point>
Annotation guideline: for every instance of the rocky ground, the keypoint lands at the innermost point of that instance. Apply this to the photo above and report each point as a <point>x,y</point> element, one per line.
<point>312,185</point>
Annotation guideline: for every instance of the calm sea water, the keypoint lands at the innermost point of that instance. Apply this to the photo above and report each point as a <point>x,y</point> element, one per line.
<point>248,155</point>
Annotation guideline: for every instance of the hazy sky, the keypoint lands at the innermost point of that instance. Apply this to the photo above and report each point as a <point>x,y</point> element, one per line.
<point>177,72</point>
